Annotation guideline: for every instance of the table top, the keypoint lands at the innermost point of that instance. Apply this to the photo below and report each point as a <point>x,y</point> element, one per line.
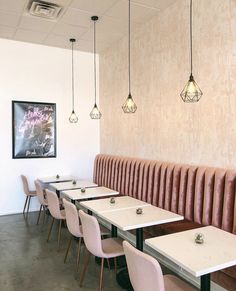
<point>216,253</point>
<point>127,219</point>
<point>89,193</point>
<point>54,179</point>
<point>103,205</point>
<point>69,185</point>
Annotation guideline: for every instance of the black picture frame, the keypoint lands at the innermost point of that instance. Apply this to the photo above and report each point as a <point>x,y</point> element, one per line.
<point>33,130</point>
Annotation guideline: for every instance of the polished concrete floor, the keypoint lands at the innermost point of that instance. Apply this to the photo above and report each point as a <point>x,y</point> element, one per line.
<point>29,263</point>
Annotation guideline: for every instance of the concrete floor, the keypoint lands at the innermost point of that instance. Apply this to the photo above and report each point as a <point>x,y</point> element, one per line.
<point>29,263</point>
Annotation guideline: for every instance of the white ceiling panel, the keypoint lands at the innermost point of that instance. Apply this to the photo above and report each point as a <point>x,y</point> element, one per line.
<point>36,23</point>
<point>77,17</point>
<point>139,13</point>
<point>75,21</point>
<point>94,6</point>
<point>7,32</point>
<point>68,30</point>
<point>13,5</point>
<point>9,19</point>
<point>32,36</point>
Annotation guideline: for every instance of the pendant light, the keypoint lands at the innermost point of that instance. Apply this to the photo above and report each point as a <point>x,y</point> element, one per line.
<point>95,113</point>
<point>73,117</point>
<point>191,92</point>
<point>129,106</point>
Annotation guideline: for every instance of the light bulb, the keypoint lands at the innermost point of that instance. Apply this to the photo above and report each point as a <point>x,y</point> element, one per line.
<point>73,117</point>
<point>95,113</point>
<point>129,106</point>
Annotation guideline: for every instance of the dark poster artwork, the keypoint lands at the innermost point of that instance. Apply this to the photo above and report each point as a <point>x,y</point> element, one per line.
<point>34,129</point>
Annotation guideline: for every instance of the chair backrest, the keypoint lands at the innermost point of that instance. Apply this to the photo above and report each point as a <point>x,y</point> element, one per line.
<point>144,271</point>
<point>40,193</point>
<point>72,218</point>
<point>25,184</point>
<point>91,234</point>
<point>53,204</point>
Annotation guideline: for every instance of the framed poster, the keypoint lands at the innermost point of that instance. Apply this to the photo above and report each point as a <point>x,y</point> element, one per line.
<point>33,130</point>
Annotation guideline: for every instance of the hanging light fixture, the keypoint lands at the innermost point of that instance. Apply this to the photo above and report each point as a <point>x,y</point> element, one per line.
<point>73,117</point>
<point>95,113</point>
<point>191,92</point>
<point>129,106</point>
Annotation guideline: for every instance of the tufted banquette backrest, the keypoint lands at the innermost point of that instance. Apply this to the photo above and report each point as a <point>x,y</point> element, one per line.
<point>201,194</point>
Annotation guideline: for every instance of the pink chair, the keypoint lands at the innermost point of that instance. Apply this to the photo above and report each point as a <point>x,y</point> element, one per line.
<point>28,193</point>
<point>42,199</point>
<point>56,213</point>
<point>72,221</point>
<point>146,275</point>
<point>104,249</point>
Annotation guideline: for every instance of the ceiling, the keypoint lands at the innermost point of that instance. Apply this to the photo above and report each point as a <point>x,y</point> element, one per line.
<point>74,21</point>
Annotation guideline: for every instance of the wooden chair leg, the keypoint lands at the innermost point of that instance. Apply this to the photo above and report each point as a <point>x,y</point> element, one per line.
<point>40,209</point>
<point>78,254</point>
<point>50,229</point>
<point>59,235</point>
<point>28,206</point>
<point>115,265</point>
<point>44,213</point>
<point>26,200</point>
<point>101,275</point>
<point>68,248</point>
<point>85,268</point>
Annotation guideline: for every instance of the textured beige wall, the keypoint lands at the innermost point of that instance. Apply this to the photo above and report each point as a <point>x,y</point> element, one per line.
<point>164,127</point>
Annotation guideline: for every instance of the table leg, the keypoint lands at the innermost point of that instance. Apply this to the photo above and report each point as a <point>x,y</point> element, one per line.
<point>206,282</point>
<point>58,193</point>
<point>139,239</point>
<point>113,231</point>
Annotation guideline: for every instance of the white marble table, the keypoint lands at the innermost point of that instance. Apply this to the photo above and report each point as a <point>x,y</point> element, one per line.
<point>90,193</point>
<point>54,179</point>
<point>58,187</point>
<point>104,205</point>
<point>127,219</point>
<point>216,253</point>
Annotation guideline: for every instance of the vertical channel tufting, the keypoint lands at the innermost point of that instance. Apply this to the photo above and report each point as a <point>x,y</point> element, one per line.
<point>183,189</point>
<point>127,176</point>
<point>162,185</point>
<point>136,178</point>
<point>150,182</point>
<point>95,169</point>
<point>208,196</point>
<point>123,176</point>
<point>199,194</point>
<point>145,181</point>
<point>156,184</point>
<point>189,207</point>
<point>218,197</point>
<point>132,171</point>
<point>175,188</point>
<point>120,173</point>
<point>228,203</point>
<point>105,171</point>
<point>168,186</point>
<point>140,180</point>
<point>109,172</point>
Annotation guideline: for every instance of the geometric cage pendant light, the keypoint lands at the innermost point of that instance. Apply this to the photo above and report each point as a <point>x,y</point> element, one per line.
<point>95,113</point>
<point>191,92</point>
<point>129,106</point>
<point>73,117</point>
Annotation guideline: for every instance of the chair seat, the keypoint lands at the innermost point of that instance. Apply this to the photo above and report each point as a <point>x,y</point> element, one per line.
<point>174,283</point>
<point>112,247</point>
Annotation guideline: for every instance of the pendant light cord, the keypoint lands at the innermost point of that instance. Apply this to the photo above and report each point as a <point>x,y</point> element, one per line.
<point>129,50</point>
<point>191,35</point>
<point>72,59</point>
<point>95,67</point>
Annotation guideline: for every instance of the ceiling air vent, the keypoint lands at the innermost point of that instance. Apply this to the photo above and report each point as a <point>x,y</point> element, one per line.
<point>44,9</point>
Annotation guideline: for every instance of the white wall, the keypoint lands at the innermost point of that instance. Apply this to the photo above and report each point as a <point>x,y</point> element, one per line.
<point>32,72</point>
